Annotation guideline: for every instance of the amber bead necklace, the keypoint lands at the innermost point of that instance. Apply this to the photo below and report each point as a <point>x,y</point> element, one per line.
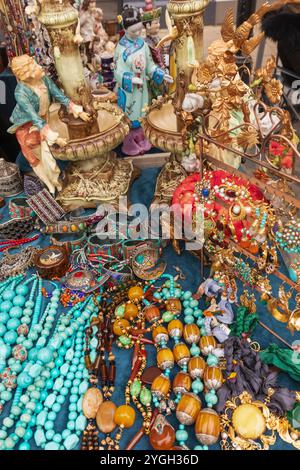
<point>103,373</point>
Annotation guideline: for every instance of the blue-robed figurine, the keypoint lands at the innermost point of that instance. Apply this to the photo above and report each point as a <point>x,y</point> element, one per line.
<point>134,66</point>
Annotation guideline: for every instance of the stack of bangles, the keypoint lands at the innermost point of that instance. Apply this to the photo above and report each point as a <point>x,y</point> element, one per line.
<point>8,244</point>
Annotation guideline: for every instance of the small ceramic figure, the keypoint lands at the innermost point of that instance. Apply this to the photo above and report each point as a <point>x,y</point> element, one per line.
<point>87,25</point>
<point>34,94</point>
<point>133,67</point>
<point>151,21</point>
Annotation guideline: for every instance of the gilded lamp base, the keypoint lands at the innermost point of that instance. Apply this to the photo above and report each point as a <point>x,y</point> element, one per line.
<point>95,175</point>
<point>88,186</point>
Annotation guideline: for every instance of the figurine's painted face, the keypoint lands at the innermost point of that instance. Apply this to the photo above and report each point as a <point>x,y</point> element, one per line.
<point>37,71</point>
<point>153,27</point>
<point>134,31</point>
<point>26,69</point>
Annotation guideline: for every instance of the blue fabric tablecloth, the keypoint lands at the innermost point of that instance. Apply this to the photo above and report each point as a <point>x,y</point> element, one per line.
<point>142,192</point>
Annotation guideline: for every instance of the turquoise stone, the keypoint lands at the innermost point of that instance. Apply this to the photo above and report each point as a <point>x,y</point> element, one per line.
<point>39,437</point>
<point>187,295</point>
<point>16,312</point>
<point>24,380</point>
<point>52,446</point>
<point>58,384</point>
<point>197,386</point>
<point>70,354</point>
<point>22,290</point>
<point>64,369</point>
<point>35,370</point>
<point>19,300</point>
<point>4,317</point>
<point>10,337</point>
<point>41,418</point>
<point>181,435</point>
<point>80,423</point>
<point>6,306</point>
<point>71,441</point>
<point>83,387</point>
<point>79,405</point>
<point>198,313</point>
<point>5,351</point>
<point>189,319</point>
<point>212,360</point>
<point>8,295</point>
<point>50,400</point>
<point>45,355</point>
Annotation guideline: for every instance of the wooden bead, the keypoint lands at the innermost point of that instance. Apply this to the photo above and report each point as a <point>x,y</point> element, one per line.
<point>207,426</point>
<point>105,417</point>
<point>91,401</point>
<point>188,408</point>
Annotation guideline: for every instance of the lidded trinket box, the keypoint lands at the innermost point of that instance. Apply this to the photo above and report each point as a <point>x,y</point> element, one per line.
<point>10,179</point>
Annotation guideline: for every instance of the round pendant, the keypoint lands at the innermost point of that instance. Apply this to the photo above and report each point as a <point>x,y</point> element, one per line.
<point>248,421</point>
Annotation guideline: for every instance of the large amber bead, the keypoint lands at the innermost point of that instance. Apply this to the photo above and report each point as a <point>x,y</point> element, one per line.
<point>181,353</point>
<point>125,416</point>
<point>175,328</point>
<point>188,408</point>
<point>182,383</point>
<point>174,306</point>
<point>213,377</point>
<point>162,434</point>
<point>131,311</point>
<point>248,421</point>
<point>160,386</point>
<point>207,427</point>
<point>120,325</point>
<point>152,313</point>
<point>160,333</point>
<point>207,344</point>
<point>135,293</point>
<point>191,333</point>
<point>165,359</point>
<point>196,367</point>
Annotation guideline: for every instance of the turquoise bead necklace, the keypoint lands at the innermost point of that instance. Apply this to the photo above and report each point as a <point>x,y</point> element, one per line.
<point>41,367</point>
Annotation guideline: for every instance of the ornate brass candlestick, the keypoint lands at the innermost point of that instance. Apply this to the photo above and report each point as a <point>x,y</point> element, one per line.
<point>163,123</point>
<point>95,175</point>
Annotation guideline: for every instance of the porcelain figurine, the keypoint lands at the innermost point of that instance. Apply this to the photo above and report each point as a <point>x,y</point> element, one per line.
<point>151,21</point>
<point>34,94</point>
<point>87,25</point>
<point>133,67</point>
